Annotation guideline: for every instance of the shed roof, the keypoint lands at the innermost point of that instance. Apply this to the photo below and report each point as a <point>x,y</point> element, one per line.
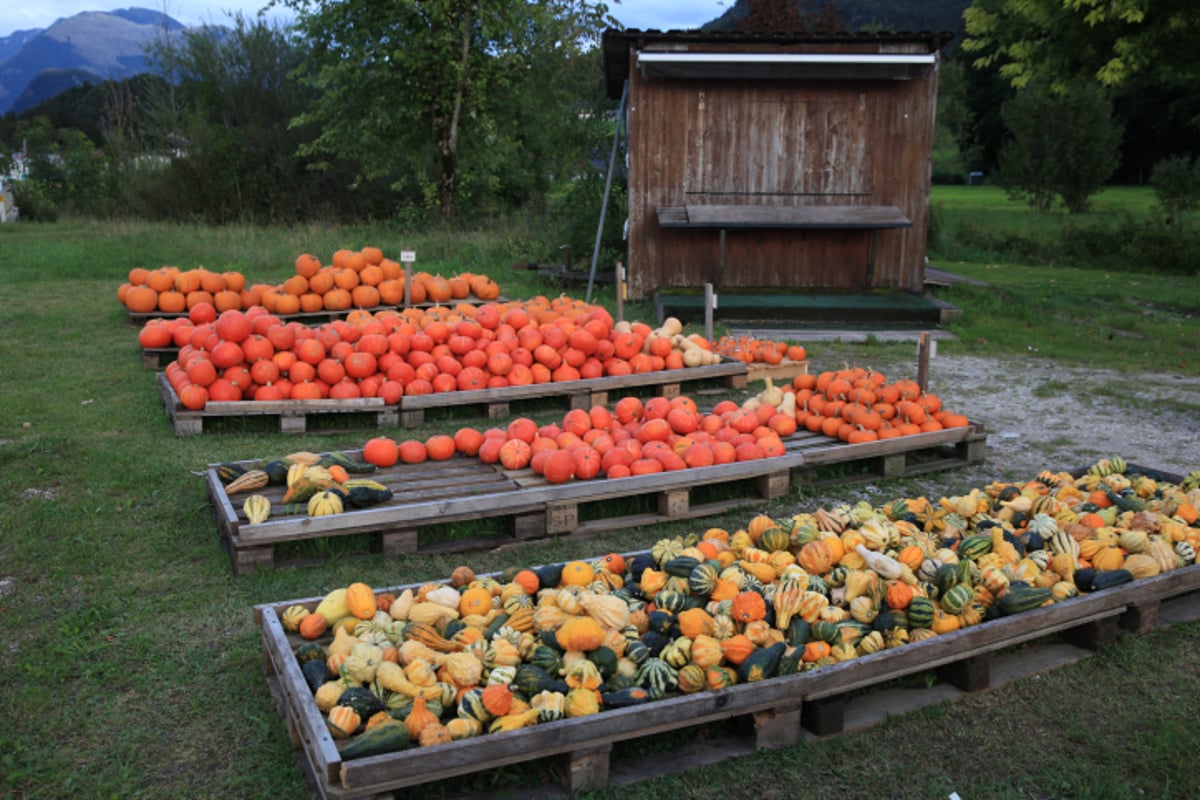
<point>756,55</point>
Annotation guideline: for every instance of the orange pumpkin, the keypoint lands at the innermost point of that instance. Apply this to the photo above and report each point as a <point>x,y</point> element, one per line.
<point>475,600</point>
<point>748,606</point>
<point>695,622</point>
<point>898,594</point>
<point>737,648</point>
<point>816,557</point>
<point>579,633</point>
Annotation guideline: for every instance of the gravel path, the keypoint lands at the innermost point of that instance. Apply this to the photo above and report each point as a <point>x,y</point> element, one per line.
<point>1041,415</point>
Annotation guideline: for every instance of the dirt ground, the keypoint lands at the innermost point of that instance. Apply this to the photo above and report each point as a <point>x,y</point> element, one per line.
<point>1041,415</point>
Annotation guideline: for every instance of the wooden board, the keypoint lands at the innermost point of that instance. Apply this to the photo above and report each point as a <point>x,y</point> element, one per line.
<point>775,713</point>
<point>795,217</point>
<point>499,403</point>
<point>463,488</point>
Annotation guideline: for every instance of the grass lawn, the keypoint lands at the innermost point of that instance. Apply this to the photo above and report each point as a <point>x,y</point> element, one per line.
<point>131,665</point>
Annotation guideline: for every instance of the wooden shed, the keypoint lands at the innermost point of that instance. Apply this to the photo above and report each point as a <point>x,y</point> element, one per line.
<point>768,162</point>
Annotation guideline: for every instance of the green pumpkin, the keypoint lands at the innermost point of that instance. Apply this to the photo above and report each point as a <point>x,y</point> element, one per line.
<point>920,612</point>
<point>774,540</point>
<point>957,598</point>
<point>657,677</point>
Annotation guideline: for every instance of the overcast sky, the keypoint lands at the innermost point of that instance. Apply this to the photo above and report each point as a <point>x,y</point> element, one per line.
<point>25,14</point>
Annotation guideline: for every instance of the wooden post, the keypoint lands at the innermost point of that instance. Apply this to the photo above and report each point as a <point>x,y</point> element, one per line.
<point>923,361</point>
<point>709,304</point>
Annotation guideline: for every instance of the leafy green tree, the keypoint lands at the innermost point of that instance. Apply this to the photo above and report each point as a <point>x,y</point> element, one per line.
<point>1105,41</point>
<point>224,116</point>
<point>452,100</point>
<point>1063,144</point>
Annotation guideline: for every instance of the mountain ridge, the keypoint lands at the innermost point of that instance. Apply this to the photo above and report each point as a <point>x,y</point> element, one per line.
<point>91,46</point>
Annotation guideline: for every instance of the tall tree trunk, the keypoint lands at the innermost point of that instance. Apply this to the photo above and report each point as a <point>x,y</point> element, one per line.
<point>447,127</point>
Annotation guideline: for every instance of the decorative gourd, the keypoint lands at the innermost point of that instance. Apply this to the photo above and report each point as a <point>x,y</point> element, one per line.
<point>249,481</point>
<point>719,677</point>
<point>579,703</point>
<point>761,664</point>
<point>313,626</point>
<point>1020,598</point>
<point>920,612</point>
<point>550,705</point>
<point>419,717</point>
<point>748,606</point>
<point>580,633</point>
<point>1141,565</point>
<point>292,616</point>
<point>433,734</point>
<point>694,622</point>
<point>257,509</point>
<point>324,503</point>
<point>362,662</point>
<point>343,721</point>
<point>737,649</point>
<point>461,728</point>
<point>360,600</point>
<point>656,676</point>
<point>691,679</point>
<point>957,598</point>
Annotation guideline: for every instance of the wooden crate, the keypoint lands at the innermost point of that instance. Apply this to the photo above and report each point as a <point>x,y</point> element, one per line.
<point>464,488</point>
<point>775,713</point>
<point>781,373</point>
<point>293,416</point>
<point>500,403</point>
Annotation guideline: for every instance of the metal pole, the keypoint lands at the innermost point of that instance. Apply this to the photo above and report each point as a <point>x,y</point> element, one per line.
<point>612,163</point>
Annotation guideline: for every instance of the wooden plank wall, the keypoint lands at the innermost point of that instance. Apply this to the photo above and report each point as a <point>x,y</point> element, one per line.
<point>786,142</point>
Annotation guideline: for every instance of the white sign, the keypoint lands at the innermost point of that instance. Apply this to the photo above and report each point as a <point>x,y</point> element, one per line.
<point>408,256</point>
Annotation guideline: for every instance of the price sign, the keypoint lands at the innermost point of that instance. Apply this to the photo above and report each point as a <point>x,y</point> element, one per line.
<point>408,256</point>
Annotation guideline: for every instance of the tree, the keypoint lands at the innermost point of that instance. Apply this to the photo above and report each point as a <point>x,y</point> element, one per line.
<point>224,115</point>
<point>1063,144</point>
<point>1108,42</point>
<point>427,91</point>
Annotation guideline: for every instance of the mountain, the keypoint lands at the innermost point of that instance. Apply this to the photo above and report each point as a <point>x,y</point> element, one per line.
<point>856,15</point>
<point>89,47</point>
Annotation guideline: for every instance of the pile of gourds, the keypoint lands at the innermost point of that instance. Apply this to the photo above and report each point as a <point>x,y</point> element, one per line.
<point>484,654</point>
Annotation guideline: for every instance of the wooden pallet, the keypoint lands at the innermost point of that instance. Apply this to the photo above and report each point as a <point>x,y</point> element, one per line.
<point>314,317</point>
<point>293,416</point>
<point>500,403</point>
<point>410,411</point>
<point>462,488</point>
<point>776,713</point>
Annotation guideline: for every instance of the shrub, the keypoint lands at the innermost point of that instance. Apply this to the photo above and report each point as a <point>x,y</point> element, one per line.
<point>35,200</point>
<point>1061,145</point>
<point>1176,184</point>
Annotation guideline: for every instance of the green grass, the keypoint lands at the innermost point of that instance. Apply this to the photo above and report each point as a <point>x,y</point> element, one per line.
<point>131,665</point>
<point>1139,322</point>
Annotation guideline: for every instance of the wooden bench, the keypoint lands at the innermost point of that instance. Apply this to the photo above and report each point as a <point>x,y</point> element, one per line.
<point>799,217</point>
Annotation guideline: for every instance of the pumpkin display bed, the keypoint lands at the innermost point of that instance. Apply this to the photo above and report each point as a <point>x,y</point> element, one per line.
<point>419,682</point>
<point>540,477</point>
